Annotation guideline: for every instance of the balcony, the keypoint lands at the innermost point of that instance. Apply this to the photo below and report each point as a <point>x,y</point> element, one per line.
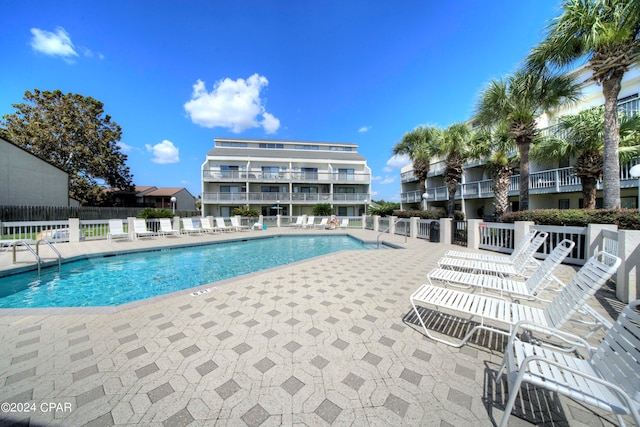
<point>284,198</point>
<point>214,175</point>
<point>550,181</point>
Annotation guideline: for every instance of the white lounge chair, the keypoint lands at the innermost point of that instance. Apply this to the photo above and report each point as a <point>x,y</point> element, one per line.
<point>116,230</point>
<point>504,259</point>
<point>322,224</point>
<point>299,222</point>
<point>236,224</point>
<point>166,229</point>
<point>596,271</point>
<point>531,288</point>
<point>344,223</point>
<point>189,228</point>
<point>310,221</point>
<point>607,377</point>
<point>207,227</point>
<point>521,265</point>
<point>221,225</point>
<point>140,228</point>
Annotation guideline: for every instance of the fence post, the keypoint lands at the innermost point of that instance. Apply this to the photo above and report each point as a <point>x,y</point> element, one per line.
<point>364,221</point>
<point>520,229</point>
<point>413,227</point>
<point>446,230</point>
<point>376,221</point>
<point>473,233</point>
<point>131,228</point>
<point>74,230</point>
<point>594,238</point>
<point>278,219</point>
<point>392,224</point>
<point>176,223</point>
<point>628,279</point>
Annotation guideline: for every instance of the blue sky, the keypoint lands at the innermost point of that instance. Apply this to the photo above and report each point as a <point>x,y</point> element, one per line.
<point>176,74</point>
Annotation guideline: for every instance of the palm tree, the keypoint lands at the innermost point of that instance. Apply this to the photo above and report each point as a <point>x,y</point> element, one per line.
<point>496,145</point>
<point>581,136</point>
<point>517,100</point>
<point>418,145</point>
<point>454,143</point>
<point>606,34</point>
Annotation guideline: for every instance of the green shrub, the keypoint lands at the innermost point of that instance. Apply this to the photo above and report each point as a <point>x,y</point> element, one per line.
<point>245,212</point>
<point>625,219</point>
<point>430,214</point>
<point>322,209</point>
<point>156,213</point>
<point>383,209</point>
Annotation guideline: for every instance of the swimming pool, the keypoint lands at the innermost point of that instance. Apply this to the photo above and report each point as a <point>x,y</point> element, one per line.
<point>114,280</point>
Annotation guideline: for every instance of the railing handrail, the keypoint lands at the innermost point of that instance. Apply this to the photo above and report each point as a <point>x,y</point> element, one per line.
<point>54,250</point>
<point>29,248</point>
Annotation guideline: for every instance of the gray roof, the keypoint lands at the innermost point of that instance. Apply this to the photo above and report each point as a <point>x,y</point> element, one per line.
<point>285,154</point>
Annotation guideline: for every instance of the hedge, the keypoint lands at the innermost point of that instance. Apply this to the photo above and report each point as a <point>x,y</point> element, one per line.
<point>625,219</point>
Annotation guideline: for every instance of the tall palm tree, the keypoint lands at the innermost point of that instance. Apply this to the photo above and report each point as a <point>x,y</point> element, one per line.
<point>581,136</point>
<point>517,100</point>
<point>454,143</point>
<point>496,146</point>
<point>606,34</point>
<point>418,145</point>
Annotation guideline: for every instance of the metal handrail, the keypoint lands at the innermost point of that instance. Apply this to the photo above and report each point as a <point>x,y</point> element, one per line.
<point>30,249</point>
<point>54,250</point>
<point>385,230</point>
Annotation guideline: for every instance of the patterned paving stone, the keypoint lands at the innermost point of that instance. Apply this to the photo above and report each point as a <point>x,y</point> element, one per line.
<point>127,339</point>
<point>81,355</point>
<point>209,324</point>
<point>354,381</point>
<point>292,322</point>
<point>387,341</point>
<point>242,348</point>
<point>166,325</point>
<point>371,358</point>
<point>292,385</point>
<point>23,375</point>
<point>147,370</point>
<point>459,398</point>
<point>331,320</point>
<point>292,346</point>
<point>411,376</point>
<point>30,329</point>
<point>396,404</point>
<point>176,337</point>
<point>24,357</point>
<point>422,355</point>
<point>180,418</point>
<point>104,420</point>
<point>85,372</point>
<point>340,344</point>
<point>314,332</point>
<point>28,342</point>
<point>319,362</point>
<point>269,334</point>
<point>228,389</point>
<point>251,323</point>
<point>160,392</point>
<point>224,335</point>
<point>328,411</point>
<point>255,416</point>
<point>206,367</point>
<point>189,351</point>
<point>137,352</point>
<point>122,327</point>
<point>357,330</point>
<point>264,365</point>
<point>90,396</point>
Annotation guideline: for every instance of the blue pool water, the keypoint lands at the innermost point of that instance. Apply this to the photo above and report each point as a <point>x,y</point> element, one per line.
<point>115,280</point>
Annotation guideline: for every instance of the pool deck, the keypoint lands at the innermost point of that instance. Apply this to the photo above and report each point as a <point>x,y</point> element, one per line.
<point>327,341</point>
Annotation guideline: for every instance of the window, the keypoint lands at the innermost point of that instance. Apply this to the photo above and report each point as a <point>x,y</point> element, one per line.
<point>563,204</point>
<point>232,144</point>
<point>229,189</point>
<point>629,202</point>
<point>345,190</point>
<point>271,145</point>
<point>313,190</point>
<point>269,189</point>
<point>309,173</point>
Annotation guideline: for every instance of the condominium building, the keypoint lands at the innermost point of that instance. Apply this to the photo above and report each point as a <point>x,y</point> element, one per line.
<point>552,185</point>
<point>284,177</point>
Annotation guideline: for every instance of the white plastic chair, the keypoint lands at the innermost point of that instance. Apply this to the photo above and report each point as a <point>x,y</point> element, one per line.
<point>344,223</point>
<point>221,225</point>
<point>116,230</point>
<point>531,288</point>
<point>206,226</point>
<point>607,377</point>
<point>140,228</point>
<point>310,221</point>
<point>322,224</point>
<point>573,297</point>
<point>520,266</point>
<point>166,229</point>
<point>188,227</point>
<point>236,224</point>
<point>505,259</point>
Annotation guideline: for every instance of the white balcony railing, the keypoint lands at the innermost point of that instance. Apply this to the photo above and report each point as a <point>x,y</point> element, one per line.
<point>216,175</point>
<point>284,198</point>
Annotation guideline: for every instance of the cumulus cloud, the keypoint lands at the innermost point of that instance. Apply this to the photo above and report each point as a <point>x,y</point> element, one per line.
<point>232,104</point>
<point>125,147</point>
<point>364,129</point>
<point>398,161</point>
<point>164,152</point>
<point>53,44</point>
<point>384,180</point>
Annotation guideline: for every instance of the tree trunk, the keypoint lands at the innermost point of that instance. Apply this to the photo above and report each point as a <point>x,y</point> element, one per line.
<point>523,185</point>
<point>452,201</point>
<point>588,191</point>
<point>611,169</point>
<point>501,181</point>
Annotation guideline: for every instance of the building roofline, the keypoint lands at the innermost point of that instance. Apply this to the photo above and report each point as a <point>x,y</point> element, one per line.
<point>349,144</point>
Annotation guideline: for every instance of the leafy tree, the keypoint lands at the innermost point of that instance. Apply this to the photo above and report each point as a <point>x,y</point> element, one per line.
<point>606,34</point>
<point>580,136</point>
<point>383,208</point>
<point>322,209</point>
<point>517,100</point>
<point>71,132</point>
<point>455,144</point>
<point>418,145</point>
<point>496,146</point>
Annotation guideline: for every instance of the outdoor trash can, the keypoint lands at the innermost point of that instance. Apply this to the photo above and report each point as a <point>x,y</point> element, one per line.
<point>434,231</point>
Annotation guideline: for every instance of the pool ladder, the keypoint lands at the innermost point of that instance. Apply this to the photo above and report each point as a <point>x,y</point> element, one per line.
<point>36,252</point>
<point>387,229</point>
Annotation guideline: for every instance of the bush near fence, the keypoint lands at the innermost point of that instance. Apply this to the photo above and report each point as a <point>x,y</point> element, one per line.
<point>625,219</point>
<point>431,214</point>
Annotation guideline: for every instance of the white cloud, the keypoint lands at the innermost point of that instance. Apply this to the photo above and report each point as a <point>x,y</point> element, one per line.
<point>232,104</point>
<point>125,147</point>
<point>164,152</point>
<point>398,161</point>
<point>54,44</point>
<point>382,181</point>
<point>364,129</point>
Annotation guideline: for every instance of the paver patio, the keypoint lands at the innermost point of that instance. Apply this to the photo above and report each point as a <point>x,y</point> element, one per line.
<point>326,341</point>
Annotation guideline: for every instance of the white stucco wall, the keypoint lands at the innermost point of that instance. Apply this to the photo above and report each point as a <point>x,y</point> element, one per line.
<point>27,180</point>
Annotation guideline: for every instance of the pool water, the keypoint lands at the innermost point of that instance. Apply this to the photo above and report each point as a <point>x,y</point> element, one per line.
<point>115,280</point>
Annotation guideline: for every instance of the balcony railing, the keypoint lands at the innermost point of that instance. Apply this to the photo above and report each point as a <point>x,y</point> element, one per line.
<point>561,180</point>
<point>284,198</point>
<point>213,175</point>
